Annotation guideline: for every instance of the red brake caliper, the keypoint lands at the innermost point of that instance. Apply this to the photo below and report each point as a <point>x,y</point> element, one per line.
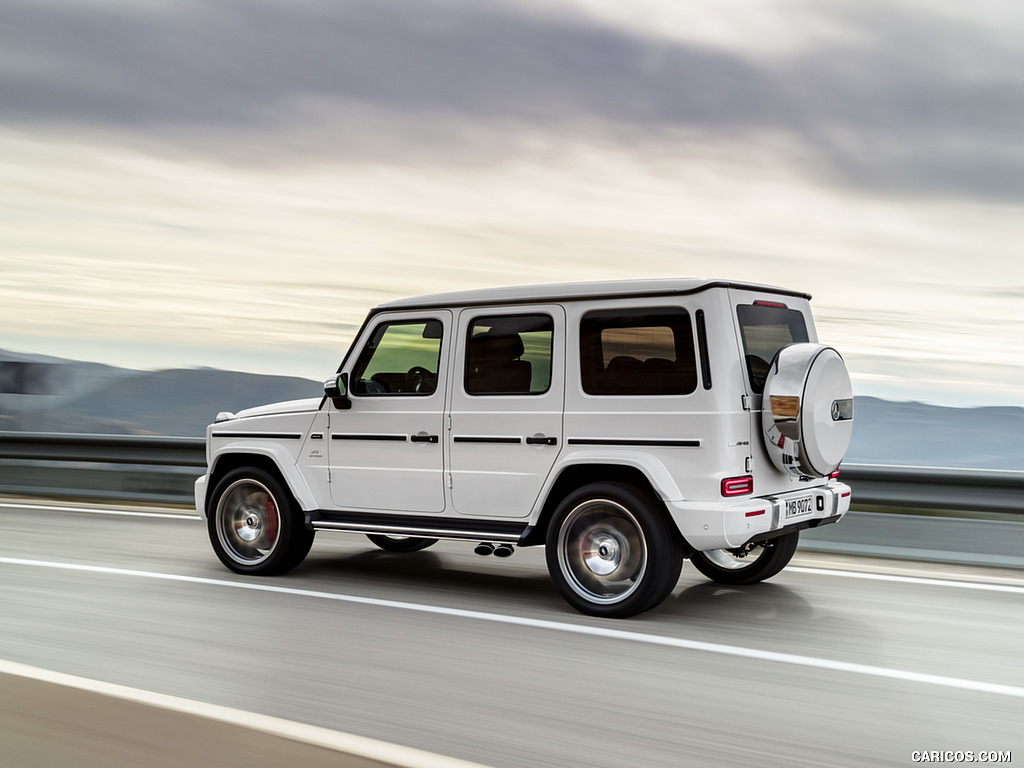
<point>272,523</point>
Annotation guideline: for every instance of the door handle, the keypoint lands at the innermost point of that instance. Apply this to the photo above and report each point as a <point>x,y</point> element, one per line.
<point>424,438</point>
<point>541,440</point>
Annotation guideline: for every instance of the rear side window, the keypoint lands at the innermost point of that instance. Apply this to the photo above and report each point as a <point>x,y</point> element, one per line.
<point>767,328</point>
<point>509,355</point>
<point>637,352</point>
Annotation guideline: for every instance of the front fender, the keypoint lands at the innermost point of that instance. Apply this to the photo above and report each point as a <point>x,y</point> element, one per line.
<point>283,461</point>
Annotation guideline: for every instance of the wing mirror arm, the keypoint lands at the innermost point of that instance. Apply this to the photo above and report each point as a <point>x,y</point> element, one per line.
<point>337,390</point>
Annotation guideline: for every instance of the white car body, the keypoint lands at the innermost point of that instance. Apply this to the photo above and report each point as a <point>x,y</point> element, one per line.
<point>493,467</point>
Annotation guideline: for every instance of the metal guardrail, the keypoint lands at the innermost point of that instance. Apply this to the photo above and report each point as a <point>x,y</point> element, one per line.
<point>142,468</point>
<point>114,449</point>
<point>116,467</point>
<point>980,490</point>
<point>921,537</point>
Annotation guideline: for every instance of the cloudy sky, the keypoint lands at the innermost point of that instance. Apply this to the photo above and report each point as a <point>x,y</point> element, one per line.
<point>232,183</point>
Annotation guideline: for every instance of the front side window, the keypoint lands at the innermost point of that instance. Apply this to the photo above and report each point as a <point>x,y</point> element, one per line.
<point>401,358</point>
<point>767,328</point>
<point>509,355</point>
<point>637,352</point>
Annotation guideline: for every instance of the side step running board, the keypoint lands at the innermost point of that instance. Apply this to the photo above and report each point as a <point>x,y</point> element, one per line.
<point>414,525</point>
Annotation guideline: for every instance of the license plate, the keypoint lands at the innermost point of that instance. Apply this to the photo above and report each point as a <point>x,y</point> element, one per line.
<point>801,506</point>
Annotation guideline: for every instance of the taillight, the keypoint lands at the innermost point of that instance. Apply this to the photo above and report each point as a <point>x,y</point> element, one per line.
<point>835,474</point>
<point>773,304</point>
<point>738,486</point>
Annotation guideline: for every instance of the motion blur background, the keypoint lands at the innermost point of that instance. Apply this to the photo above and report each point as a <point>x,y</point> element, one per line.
<point>189,185</point>
<point>233,184</point>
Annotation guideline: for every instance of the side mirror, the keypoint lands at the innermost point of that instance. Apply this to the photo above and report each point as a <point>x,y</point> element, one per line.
<point>337,390</point>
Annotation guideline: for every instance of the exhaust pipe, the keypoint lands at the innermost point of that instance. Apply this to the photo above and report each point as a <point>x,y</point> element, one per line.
<point>504,550</point>
<point>484,548</point>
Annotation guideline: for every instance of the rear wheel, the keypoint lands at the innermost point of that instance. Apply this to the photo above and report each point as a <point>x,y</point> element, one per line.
<point>611,551</point>
<point>400,543</point>
<point>748,565</point>
<point>255,526</point>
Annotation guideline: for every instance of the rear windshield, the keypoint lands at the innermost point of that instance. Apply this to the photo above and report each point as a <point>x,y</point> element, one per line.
<point>766,329</point>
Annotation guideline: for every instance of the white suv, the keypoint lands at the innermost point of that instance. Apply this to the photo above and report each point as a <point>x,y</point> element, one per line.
<point>624,426</point>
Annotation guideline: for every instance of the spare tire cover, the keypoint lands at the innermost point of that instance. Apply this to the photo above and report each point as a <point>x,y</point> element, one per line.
<point>807,410</point>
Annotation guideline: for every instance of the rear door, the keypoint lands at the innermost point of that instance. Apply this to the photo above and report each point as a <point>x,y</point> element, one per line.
<point>765,323</point>
<point>505,426</point>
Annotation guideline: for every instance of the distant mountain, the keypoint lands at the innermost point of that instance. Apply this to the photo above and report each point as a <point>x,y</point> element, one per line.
<point>45,394</point>
<point>53,395</point>
<point>915,434</point>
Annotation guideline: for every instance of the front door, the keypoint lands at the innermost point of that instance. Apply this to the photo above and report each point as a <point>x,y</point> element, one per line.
<point>386,452</point>
<point>506,408</point>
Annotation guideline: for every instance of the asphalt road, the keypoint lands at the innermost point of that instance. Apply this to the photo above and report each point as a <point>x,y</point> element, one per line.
<point>835,662</point>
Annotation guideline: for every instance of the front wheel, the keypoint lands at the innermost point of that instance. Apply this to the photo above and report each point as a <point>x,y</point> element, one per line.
<point>255,526</point>
<point>748,565</point>
<point>400,543</point>
<point>611,551</point>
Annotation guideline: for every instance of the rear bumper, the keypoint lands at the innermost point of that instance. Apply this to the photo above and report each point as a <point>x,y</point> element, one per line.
<point>731,524</point>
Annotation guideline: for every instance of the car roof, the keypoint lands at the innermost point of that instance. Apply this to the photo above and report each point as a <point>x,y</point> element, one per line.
<point>554,292</point>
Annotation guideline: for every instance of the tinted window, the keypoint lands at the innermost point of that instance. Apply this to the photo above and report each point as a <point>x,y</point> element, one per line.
<point>637,352</point>
<point>765,330</point>
<point>509,355</point>
<point>400,358</point>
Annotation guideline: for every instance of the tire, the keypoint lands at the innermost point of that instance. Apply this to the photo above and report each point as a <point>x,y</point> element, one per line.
<point>400,543</point>
<point>728,566</point>
<point>255,525</point>
<point>611,551</point>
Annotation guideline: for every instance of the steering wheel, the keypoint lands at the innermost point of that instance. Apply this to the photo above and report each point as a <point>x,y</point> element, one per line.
<point>416,377</point>
<point>374,387</point>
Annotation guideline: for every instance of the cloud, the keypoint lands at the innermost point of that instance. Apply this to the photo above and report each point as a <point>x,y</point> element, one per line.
<point>906,102</point>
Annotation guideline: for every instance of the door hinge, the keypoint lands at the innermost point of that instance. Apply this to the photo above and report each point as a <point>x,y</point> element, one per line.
<point>746,402</point>
<point>749,464</point>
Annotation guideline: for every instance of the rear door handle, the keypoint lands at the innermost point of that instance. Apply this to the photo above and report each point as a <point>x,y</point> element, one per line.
<point>541,440</point>
<point>424,438</point>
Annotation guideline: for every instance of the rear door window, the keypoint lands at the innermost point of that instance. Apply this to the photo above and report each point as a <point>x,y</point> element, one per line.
<point>509,355</point>
<point>766,328</point>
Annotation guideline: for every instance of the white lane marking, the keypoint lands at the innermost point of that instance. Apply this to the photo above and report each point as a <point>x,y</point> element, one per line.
<point>999,689</point>
<point>99,511</point>
<point>907,579</point>
<point>347,743</point>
